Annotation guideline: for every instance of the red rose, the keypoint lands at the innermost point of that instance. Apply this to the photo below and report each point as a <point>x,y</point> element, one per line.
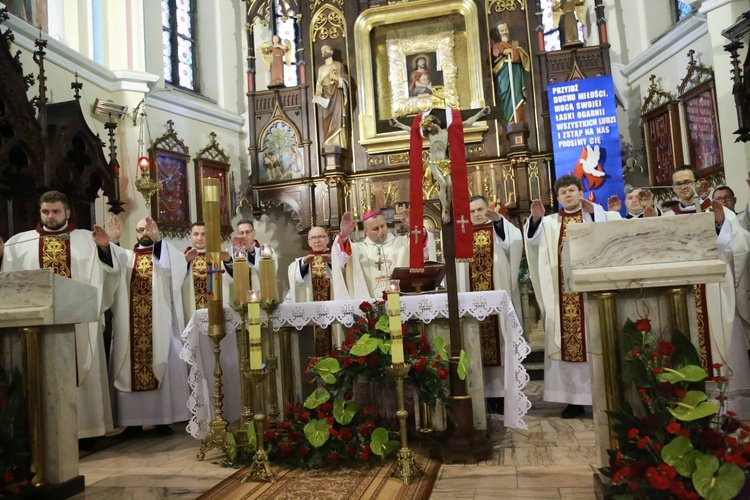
<point>361,360</point>
<point>333,432</point>
<point>334,355</point>
<point>365,307</point>
<point>348,362</point>
<point>665,348</point>
<point>673,428</point>
<point>424,348</point>
<point>632,433</point>
<point>656,447</point>
<point>361,321</point>
<point>443,373</point>
<point>409,347</point>
<point>286,424</point>
<point>642,443</point>
<point>371,322</point>
<point>321,415</point>
<point>643,325</point>
<point>346,434</point>
<point>419,367</point>
<point>330,420</point>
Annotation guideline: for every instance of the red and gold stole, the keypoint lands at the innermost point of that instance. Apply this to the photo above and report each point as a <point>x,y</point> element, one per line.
<point>701,304</point>
<point>199,268</point>
<point>572,320</point>
<point>141,319</point>
<point>54,253</point>
<point>321,290</point>
<point>481,280</point>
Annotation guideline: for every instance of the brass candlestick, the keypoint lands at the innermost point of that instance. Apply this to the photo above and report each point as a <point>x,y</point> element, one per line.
<point>243,348</point>
<point>406,466</point>
<point>217,433</point>
<point>270,306</point>
<point>260,469</point>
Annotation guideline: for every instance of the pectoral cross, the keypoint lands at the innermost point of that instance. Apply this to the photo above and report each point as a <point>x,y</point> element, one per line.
<point>463,223</point>
<point>416,234</point>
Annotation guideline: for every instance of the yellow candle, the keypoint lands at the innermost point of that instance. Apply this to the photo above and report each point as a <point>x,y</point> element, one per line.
<point>241,283</point>
<point>355,199</point>
<point>394,321</point>
<point>267,271</point>
<point>253,320</point>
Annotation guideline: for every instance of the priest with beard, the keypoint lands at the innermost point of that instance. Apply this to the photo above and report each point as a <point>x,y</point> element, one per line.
<point>310,281</point>
<point>719,335</point>
<point>566,368</point>
<point>362,270</point>
<point>498,247</point>
<point>84,256</point>
<point>150,379</point>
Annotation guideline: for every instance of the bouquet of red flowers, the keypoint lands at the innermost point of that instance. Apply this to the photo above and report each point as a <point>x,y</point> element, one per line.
<point>676,444</point>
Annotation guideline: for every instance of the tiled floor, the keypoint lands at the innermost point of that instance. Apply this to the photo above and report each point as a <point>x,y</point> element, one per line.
<point>553,459</point>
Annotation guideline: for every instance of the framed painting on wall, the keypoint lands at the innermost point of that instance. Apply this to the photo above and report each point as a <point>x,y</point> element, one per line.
<point>702,125</point>
<point>213,162</point>
<point>169,166</point>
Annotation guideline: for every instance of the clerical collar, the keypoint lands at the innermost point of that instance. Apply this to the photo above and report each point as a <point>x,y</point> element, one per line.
<point>326,251</point>
<point>572,212</point>
<point>370,242</point>
<point>45,231</point>
<point>635,216</point>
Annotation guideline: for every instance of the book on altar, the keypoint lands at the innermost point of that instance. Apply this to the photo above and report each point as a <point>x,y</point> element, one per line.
<point>426,281</point>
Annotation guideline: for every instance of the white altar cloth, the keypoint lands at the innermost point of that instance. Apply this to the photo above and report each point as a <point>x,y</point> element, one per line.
<point>198,349</point>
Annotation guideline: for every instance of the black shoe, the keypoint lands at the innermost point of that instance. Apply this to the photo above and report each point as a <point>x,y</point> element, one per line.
<point>88,444</point>
<point>495,405</point>
<point>573,411</point>
<point>164,430</point>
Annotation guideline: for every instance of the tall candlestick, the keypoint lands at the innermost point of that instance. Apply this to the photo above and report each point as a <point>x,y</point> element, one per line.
<point>394,321</point>
<point>253,321</point>
<point>267,272</point>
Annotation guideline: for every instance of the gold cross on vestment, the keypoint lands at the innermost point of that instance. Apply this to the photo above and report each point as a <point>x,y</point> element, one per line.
<point>463,223</point>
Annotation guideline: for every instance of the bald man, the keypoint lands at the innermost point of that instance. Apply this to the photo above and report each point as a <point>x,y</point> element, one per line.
<point>150,379</point>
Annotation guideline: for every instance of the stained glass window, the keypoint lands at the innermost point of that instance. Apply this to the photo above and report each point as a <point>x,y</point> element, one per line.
<point>178,42</point>
<point>285,30</point>
<point>551,34</point>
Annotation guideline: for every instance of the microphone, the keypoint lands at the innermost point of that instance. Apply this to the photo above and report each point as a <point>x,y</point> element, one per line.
<point>63,236</point>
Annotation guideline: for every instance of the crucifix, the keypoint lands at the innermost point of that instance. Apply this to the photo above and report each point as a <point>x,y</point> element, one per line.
<point>416,232</point>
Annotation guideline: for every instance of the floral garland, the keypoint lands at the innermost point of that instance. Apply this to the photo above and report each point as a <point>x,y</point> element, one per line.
<point>676,444</point>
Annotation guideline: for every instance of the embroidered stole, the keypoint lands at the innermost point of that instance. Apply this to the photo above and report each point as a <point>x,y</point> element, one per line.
<point>321,290</point>
<point>572,320</point>
<point>141,318</point>
<point>54,253</point>
<point>481,280</point>
<point>199,268</point>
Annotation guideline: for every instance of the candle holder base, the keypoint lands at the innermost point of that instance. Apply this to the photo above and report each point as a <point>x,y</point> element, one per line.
<point>216,438</point>
<point>406,466</point>
<point>260,469</point>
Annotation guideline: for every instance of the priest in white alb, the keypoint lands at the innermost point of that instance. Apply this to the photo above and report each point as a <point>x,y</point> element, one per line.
<point>498,248</point>
<point>150,380</point>
<point>566,367</point>
<point>86,257</point>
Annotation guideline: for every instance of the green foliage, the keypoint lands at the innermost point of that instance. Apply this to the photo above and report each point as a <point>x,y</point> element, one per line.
<point>381,445</point>
<point>316,432</point>
<point>317,398</point>
<point>714,482</point>
<point>344,411</point>
<point>463,365</point>
<point>326,368</point>
<point>365,345</point>
<point>693,407</point>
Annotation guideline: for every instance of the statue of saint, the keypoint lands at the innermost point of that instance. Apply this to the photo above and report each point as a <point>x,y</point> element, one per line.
<point>274,55</point>
<point>568,13</point>
<point>332,95</point>
<point>439,164</point>
<point>509,63</point>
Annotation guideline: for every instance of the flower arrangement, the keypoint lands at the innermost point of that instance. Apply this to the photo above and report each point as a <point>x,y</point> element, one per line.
<point>15,457</point>
<point>675,444</point>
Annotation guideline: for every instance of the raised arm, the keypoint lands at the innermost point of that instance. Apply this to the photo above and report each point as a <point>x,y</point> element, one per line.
<point>397,124</point>
<point>480,114</point>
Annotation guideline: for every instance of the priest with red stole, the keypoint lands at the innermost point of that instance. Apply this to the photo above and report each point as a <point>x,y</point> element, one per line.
<point>150,379</point>
<point>84,256</point>
<point>498,248</point>
<point>310,281</point>
<point>566,368</point>
<point>719,335</point>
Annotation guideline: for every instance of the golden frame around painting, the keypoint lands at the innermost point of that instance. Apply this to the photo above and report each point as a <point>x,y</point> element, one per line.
<point>392,37</point>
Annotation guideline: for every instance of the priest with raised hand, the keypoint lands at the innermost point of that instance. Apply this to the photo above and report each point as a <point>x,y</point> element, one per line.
<point>498,248</point>
<point>719,335</point>
<point>362,270</point>
<point>566,367</point>
<point>84,256</point>
<point>150,379</point>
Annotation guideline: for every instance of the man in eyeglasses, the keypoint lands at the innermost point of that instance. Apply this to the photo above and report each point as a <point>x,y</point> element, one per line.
<point>310,281</point>
<point>719,335</point>
<point>150,379</point>
<point>725,195</point>
<point>245,237</point>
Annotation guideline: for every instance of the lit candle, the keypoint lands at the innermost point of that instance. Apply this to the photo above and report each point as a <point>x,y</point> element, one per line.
<point>253,322</point>
<point>267,272</point>
<point>355,199</point>
<point>241,283</point>
<point>394,321</point>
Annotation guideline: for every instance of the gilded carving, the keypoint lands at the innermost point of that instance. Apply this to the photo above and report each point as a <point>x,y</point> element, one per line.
<point>390,193</point>
<point>535,187</point>
<point>398,158</point>
<point>327,23</point>
<point>375,161</point>
<point>509,183</point>
<point>476,150</point>
<point>314,4</point>
<point>505,5</point>
<point>414,87</point>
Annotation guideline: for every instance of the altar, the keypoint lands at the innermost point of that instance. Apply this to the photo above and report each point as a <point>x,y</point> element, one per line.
<point>473,307</point>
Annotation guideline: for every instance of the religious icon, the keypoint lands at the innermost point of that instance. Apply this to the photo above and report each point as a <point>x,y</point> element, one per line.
<point>275,55</point>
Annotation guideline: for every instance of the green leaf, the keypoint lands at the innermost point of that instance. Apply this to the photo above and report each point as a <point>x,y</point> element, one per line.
<point>364,346</point>
<point>383,324</point>
<point>379,442</point>
<point>685,352</point>
<point>679,453</point>
<point>709,484</point>
<point>384,346</point>
<point>463,365</point>
<point>693,407</point>
<point>231,447</point>
<point>344,411</point>
<point>316,432</point>
<point>439,344</point>
<point>326,369</point>
<point>688,373</point>
<point>317,398</point>
<point>252,438</point>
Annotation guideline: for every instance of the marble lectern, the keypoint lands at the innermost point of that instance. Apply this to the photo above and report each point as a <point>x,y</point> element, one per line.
<point>633,268</point>
<point>38,311</point>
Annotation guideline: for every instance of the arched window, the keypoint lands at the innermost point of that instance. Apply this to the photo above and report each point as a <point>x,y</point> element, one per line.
<point>178,43</point>
<point>285,25</point>
<point>551,35</point>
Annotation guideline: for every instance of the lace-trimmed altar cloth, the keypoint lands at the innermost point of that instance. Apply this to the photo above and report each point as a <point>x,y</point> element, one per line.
<point>425,308</point>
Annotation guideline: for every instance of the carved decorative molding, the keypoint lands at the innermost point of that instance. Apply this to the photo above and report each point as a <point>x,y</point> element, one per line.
<point>476,150</point>
<point>213,151</point>
<point>315,4</point>
<point>505,5</point>
<point>398,158</point>
<point>375,161</point>
<point>697,74</point>
<point>656,97</point>
<point>327,24</point>
<point>390,193</point>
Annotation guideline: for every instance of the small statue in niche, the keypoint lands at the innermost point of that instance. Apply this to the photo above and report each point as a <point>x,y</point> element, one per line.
<point>274,55</point>
<point>332,95</point>
<point>568,13</point>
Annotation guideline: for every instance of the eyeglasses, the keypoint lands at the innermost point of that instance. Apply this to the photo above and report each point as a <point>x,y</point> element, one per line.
<point>317,237</point>
<point>724,198</point>
<point>245,233</point>
<point>684,183</point>
<point>140,230</point>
